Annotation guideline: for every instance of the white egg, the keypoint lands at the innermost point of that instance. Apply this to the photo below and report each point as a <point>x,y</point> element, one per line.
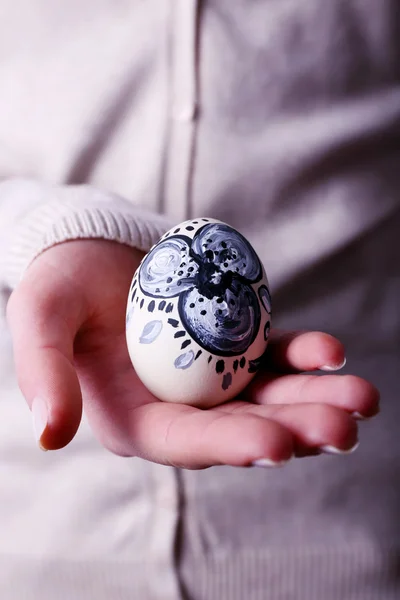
<point>198,314</point>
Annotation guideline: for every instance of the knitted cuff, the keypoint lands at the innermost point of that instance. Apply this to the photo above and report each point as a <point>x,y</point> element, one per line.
<point>57,214</point>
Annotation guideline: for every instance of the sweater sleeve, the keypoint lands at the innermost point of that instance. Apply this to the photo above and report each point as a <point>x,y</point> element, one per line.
<point>35,216</point>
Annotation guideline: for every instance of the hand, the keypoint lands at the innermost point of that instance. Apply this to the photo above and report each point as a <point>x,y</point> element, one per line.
<point>67,319</point>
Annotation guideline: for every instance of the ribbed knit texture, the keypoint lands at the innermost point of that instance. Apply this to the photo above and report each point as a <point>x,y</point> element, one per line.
<point>57,214</point>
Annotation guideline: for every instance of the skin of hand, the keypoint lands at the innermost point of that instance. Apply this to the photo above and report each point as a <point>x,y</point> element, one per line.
<point>67,320</point>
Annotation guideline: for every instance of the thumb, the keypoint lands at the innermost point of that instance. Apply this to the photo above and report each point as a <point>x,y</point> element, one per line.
<point>44,314</point>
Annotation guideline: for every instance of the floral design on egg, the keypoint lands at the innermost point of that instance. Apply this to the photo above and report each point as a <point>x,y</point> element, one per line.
<point>202,286</point>
<point>212,276</point>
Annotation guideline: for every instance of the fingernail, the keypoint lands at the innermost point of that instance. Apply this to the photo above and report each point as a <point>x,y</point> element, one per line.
<point>333,367</point>
<point>267,462</point>
<point>39,416</point>
<point>333,450</point>
<point>359,417</point>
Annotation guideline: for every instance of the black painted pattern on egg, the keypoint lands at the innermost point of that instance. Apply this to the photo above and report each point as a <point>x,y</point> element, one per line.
<point>255,364</point>
<point>226,381</point>
<point>173,322</point>
<point>220,366</point>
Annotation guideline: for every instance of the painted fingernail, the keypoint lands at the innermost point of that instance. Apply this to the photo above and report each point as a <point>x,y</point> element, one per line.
<point>333,367</point>
<point>333,450</point>
<point>40,417</point>
<point>268,463</point>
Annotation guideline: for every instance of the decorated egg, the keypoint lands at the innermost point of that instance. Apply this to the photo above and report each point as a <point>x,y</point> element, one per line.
<point>198,314</point>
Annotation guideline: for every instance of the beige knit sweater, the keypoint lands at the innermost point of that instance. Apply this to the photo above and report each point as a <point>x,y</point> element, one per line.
<point>282,118</point>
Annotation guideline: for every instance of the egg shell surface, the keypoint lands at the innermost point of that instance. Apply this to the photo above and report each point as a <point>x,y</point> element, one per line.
<point>198,314</point>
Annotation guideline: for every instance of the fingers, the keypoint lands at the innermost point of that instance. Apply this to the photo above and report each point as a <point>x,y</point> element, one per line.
<point>314,427</point>
<point>238,433</point>
<point>191,438</point>
<point>43,317</point>
<point>348,392</point>
<point>304,351</point>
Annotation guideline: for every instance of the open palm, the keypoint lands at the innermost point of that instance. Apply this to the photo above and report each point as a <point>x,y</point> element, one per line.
<point>67,319</point>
